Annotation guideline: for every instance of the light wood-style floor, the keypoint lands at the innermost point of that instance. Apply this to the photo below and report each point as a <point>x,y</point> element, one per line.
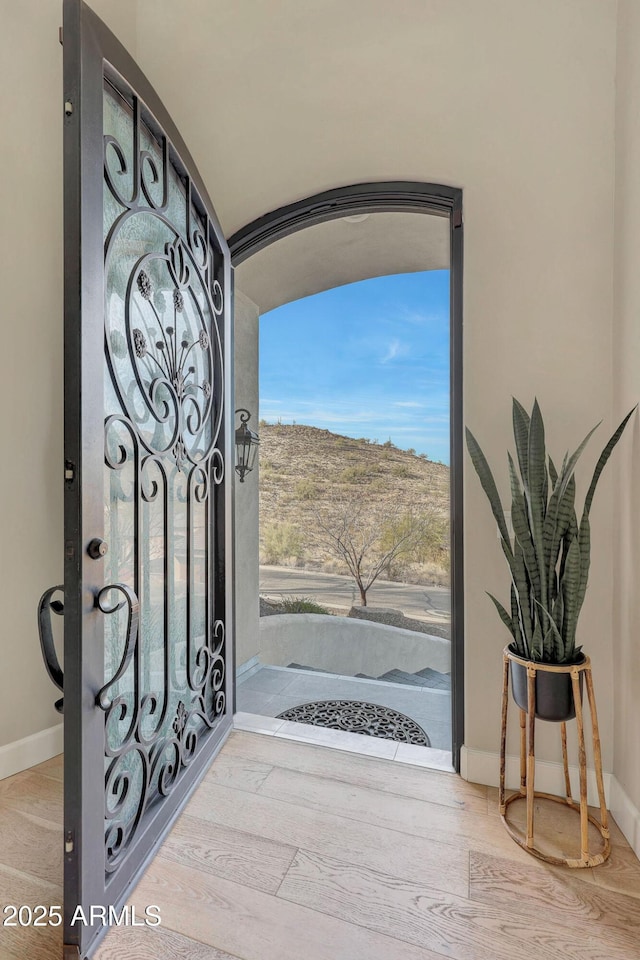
<point>289,851</point>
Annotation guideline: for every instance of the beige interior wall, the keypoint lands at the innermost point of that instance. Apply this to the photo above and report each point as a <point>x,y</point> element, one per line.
<point>626,622</point>
<point>31,359</point>
<point>247,607</point>
<point>31,481</point>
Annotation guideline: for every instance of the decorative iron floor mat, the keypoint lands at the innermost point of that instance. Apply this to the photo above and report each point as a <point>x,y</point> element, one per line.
<point>355,716</point>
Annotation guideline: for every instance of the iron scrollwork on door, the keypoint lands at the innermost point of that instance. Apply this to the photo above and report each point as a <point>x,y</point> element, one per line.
<point>165,669</point>
<point>133,618</point>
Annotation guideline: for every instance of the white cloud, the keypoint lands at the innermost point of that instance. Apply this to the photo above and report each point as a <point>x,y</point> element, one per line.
<point>421,318</point>
<point>417,317</point>
<point>377,419</point>
<point>394,349</point>
<point>318,416</point>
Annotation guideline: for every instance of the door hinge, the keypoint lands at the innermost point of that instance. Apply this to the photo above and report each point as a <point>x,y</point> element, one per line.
<point>457,218</point>
<point>69,845</point>
<point>69,471</point>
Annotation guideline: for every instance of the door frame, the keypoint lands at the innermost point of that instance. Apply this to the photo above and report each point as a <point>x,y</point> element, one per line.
<point>399,197</point>
<point>93,53</point>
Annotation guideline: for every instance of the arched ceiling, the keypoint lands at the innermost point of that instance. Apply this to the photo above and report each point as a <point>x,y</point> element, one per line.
<point>278,100</point>
<point>342,251</point>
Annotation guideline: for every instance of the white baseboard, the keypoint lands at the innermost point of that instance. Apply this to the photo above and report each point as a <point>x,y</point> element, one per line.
<point>480,767</point>
<point>625,814</point>
<point>22,754</point>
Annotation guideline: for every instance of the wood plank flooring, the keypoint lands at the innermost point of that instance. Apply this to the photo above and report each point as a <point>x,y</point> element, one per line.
<point>289,851</point>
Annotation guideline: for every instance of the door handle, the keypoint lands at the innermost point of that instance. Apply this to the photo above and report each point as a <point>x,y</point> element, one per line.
<point>45,630</point>
<point>47,646</point>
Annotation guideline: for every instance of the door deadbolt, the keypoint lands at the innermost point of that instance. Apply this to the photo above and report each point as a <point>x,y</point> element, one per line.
<point>97,549</point>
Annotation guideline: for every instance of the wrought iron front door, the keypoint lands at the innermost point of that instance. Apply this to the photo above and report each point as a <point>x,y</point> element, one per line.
<point>147,665</point>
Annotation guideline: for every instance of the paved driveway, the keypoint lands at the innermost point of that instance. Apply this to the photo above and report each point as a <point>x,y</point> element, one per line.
<point>432,604</point>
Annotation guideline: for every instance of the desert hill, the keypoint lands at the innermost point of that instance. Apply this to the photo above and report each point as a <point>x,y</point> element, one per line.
<point>305,471</point>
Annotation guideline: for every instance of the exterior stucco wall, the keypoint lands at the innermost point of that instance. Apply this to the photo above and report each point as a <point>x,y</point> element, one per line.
<point>247,606</point>
<point>349,647</point>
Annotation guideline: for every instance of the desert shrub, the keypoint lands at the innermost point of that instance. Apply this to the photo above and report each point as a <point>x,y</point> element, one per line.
<point>301,605</point>
<point>399,570</point>
<point>358,473</point>
<point>379,485</point>
<point>267,468</point>
<point>305,490</point>
<point>400,470</point>
<point>281,541</point>
<point>429,542</point>
<point>436,573</point>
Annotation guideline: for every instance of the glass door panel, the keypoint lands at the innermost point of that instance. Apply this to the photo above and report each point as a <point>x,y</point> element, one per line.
<point>148,674</point>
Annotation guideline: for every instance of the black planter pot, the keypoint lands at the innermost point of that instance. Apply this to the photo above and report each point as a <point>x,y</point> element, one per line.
<point>554,691</point>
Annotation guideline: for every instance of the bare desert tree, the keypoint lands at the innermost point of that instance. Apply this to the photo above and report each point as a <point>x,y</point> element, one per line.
<point>367,538</point>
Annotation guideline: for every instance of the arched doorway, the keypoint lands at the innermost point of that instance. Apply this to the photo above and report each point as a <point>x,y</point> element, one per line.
<point>358,201</point>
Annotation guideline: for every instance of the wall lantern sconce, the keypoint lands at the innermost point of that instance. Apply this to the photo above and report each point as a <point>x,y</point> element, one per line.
<point>246,445</point>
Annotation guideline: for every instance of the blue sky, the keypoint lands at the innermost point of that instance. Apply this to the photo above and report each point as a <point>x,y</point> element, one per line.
<point>369,359</point>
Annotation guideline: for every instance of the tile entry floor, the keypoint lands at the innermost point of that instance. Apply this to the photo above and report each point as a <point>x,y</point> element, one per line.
<point>268,691</point>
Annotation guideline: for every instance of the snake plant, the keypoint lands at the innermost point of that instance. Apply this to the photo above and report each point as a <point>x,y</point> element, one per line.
<point>550,553</point>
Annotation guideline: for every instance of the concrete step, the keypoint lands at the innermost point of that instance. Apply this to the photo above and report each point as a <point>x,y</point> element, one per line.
<point>428,677</point>
<point>301,666</point>
<point>401,676</point>
<point>435,679</point>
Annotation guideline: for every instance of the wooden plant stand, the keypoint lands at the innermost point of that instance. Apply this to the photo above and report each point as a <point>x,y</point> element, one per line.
<point>527,762</point>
